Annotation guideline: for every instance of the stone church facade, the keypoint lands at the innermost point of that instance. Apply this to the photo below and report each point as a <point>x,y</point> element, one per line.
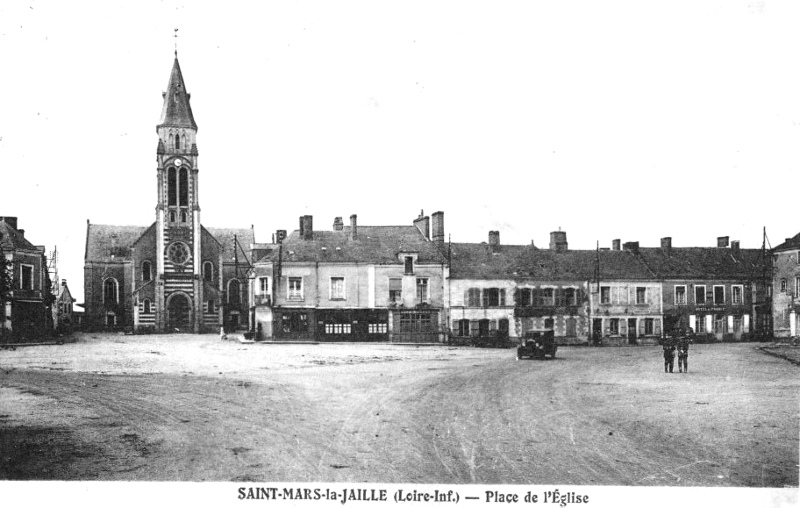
<point>175,275</point>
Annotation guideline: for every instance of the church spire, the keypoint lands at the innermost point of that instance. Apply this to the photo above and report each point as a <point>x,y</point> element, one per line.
<point>176,111</point>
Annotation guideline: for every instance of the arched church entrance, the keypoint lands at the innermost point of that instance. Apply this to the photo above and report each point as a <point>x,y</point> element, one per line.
<point>179,315</point>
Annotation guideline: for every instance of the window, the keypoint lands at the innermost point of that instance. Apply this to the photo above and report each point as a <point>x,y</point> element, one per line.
<point>183,188</point>
<point>183,216</point>
<point>783,285</point>
<point>494,297</point>
<point>648,326</point>
<point>378,328</point>
<point>178,142</point>
<point>548,323</point>
<point>338,328</point>
<point>613,326</point>
<point>605,294</point>
<point>719,323</point>
<point>172,191</point>
<point>422,290</point>
<point>797,286</point>
<point>737,293</point>
<point>502,326</point>
<point>461,327</point>
<point>570,299</point>
<point>26,277</point>
<point>146,271</point>
<point>172,216</point>
<point>680,295</point>
<point>146,308</point>
<point>263,285</point>
<point>211,307</point>
<point>409,265</point>
<point>295,288</point>
<point>473,297</point>
<point>524,297</point>
<point>396,290</point>
<point>701,324</point>
<point>294,322</point>
<point>337,288</point>
<point>719,295</point>
<point>483,327</point>
<point>416,322</point>
<point>110,290</point>
<point>548,297</point>
<point>737,324</point>
<point>641,295</point>
<point>208,271</point>
<point>700,295</point>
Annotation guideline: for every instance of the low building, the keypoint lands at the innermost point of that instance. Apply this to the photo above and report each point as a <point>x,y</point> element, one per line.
<point>25,297</point>
<point>63,311</point>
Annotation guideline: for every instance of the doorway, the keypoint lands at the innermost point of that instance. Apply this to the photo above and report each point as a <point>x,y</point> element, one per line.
<point>179,316</point>
<point>631,330</point>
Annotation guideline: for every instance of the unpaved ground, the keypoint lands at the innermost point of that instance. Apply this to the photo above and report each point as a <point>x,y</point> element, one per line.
<point>196,408</point>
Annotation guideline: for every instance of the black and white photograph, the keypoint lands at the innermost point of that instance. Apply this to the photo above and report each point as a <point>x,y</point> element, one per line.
<point>379,253</point>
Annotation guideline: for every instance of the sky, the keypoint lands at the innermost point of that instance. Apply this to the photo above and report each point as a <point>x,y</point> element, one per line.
<point>630,120</point>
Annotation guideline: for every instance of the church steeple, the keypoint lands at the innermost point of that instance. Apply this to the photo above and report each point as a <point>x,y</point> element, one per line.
<point>176,111</point>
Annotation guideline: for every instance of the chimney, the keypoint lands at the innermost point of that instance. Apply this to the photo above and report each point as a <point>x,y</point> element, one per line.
<point>437,223</point>
<point>353,227</point>
<point>338,224</point>
<point>615,244</point>
<point>21,232</point>
<point>11,221</point>
<point>423,223</point>
<point>631,246</point>
<point>307,227</point>
<point>666,245</point>
<point>735,248</point>
<point>494,240</point>
<point>722,241</point>
<point>558,241</point>
<point>280,235</point>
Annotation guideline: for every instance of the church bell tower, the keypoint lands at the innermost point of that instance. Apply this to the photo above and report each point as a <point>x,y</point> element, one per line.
<point>178,283</point>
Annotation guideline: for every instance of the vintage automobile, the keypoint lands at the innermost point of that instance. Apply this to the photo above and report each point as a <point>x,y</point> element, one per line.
<point>538,344</point>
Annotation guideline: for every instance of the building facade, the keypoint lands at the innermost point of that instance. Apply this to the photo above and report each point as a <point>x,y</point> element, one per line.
<point>354,283</point>
<point>175,275</point>
<point>25,297</point>
<point>785,285</point>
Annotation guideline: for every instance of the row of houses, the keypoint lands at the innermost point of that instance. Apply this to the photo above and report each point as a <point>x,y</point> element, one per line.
<point>33,306</point>
<point>406,284</point>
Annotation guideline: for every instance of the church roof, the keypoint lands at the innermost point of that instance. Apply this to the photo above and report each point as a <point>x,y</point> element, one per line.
<point>12,239</point>
<point>225,236</point>
<point>176,111</point>
<point>111,243</point>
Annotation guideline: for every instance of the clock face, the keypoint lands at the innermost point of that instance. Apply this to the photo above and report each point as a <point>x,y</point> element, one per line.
<point>178,253</point>
<point>178,162</point>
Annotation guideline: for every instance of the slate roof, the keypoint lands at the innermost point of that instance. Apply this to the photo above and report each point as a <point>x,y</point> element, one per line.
<point>176,111</point>
<point>704,262</point>
<point>374,244</point>
<point>476,261</point>
<point>12,239</point>
<point>790,243</point>
<point>225,236</point>
<point>110,243</point>
<point>106,243</point>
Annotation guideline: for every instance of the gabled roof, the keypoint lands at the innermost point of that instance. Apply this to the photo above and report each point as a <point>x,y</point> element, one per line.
<point>176,111</point>
<point>480,261</point>
<point>105,243</point>
<point>12,239</point>
<point>374,244</point>
<point>703,262</point>
<point>225,237</point>
<point>789,244</point>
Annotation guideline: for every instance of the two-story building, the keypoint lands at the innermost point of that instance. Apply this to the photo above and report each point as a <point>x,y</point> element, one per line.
<point>785,285</point>
<point>353,283</point>
<point>712,290</point>
<point>25,302</point>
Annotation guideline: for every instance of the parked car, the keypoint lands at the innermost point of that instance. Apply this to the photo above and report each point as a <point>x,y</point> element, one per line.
<point>538,344</point>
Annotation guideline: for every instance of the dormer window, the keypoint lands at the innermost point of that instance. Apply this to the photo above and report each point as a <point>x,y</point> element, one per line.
<point>409,265</point>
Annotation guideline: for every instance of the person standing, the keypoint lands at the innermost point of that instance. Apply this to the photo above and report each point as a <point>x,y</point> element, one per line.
<point>669,355</point>
<point>683,352</point>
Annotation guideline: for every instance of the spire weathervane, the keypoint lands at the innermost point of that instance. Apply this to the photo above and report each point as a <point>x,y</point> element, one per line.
<point>176,43</point>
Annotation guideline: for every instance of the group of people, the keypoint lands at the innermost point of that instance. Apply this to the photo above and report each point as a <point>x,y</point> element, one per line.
<point>681,347</point>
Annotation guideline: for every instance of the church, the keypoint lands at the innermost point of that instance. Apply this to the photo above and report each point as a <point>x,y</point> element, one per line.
<point>174,275</point>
